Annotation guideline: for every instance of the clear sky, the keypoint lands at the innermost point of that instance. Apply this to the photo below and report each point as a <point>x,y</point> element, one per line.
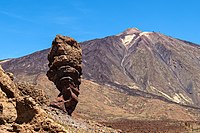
<point>27,26</point>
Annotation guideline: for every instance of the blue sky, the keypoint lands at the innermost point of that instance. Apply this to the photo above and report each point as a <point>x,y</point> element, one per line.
<point>27,26</point>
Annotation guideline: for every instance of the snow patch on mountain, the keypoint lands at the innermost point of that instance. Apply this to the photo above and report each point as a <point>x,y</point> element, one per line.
<point>145,34</point>
<point>127,39</point>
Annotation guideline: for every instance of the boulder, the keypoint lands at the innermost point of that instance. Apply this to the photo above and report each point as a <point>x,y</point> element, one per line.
<point>20,113</point>
<point>8,113</point>
<point>7,85</point>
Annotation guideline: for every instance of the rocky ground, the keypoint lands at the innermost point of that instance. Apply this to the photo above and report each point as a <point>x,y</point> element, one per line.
<point>23,110</point>
<point>21,113</point>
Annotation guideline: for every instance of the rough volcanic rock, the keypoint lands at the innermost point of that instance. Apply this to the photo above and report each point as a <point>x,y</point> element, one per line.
<point>21,113</point>
<point>27,89</point>
<point>8,113</point>
<point>7,85</point>
<point>66,52</point>
<point>65,70</point>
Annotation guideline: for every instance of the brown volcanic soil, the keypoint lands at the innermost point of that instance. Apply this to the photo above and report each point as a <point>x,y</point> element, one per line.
<point>104,103</point>
<point>137,126</point>
<point>134,113</point>
<point>155,126</point>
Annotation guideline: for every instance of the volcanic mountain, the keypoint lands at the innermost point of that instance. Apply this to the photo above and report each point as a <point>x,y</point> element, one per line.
<point>132,60</point>
<point>130,74</point>
<point>146,61</point>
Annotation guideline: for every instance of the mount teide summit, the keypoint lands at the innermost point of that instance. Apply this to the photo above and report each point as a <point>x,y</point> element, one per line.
<point>143,63</point>
<point>147,61</point>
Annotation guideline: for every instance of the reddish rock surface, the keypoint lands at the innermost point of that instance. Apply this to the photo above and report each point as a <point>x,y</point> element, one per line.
<point>65,70</point>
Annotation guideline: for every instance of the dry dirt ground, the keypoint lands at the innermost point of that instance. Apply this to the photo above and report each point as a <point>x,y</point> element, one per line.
<point>157,126</point>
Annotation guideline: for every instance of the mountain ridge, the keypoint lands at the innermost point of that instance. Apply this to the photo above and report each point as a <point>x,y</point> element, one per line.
<point>147,61</point>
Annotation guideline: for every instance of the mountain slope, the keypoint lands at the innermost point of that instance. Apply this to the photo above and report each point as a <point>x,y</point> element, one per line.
<point>147,61</point>
<point>151,62</point>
